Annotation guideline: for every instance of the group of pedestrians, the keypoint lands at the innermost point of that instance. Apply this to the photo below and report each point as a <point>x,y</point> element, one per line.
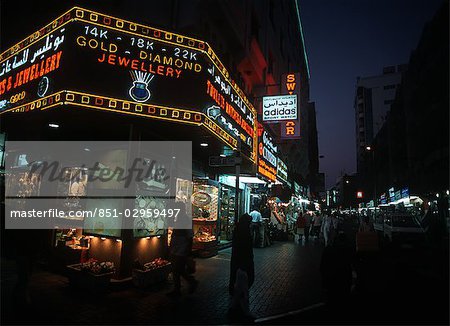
<point>316,225</point>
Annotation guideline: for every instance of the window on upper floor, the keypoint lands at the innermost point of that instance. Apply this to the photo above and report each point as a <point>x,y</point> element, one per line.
<point>360,91</point>
<point>389,70</point>
<point>385,87</point>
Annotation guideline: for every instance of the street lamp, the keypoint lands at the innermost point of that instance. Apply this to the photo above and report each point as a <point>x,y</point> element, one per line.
<point>374,173</point>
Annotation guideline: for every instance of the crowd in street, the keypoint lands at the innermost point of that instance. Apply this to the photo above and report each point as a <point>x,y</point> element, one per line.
<point>322,227</point>
<point>317,225</point>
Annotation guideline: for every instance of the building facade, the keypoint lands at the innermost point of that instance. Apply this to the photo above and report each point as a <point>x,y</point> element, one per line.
<point>165,71</point>
<point>411,148</point>
<point>373,99</point>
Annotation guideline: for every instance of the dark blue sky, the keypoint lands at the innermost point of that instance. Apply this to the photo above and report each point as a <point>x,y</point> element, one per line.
<point>349,38</point>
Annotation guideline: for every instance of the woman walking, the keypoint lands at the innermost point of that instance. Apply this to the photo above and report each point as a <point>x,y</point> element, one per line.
<point>242,273</point>
<point>301,225</point>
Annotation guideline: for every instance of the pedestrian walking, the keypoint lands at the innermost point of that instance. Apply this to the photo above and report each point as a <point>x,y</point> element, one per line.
<point>301,224</point>
<point>242,273</point>
<point>335,222</point>
<point>307,226</point>
<point>266,212</point>
<point>180,251</point>
<point>365,225</point>
<point>317,223</point>
<point>336,270</point>
<point>256,227</point>
<point>327,229</point>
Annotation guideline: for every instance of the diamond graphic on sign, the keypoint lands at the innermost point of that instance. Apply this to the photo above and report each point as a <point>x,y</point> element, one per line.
<point>43,86</point>
<point>139,91</point>
<point>213,112</point>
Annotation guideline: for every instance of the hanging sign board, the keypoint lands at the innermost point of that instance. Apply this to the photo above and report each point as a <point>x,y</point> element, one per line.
<point>267,154</point>
<point>277,108</point>
<point>290,84</point>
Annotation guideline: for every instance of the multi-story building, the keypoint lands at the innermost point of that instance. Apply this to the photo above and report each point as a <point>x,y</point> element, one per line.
<point>373,99</point>
<point>258,42</point>
<point>211,62</point>
<point>259,50</point>
<point>346,189</point>
<point>411,148</point>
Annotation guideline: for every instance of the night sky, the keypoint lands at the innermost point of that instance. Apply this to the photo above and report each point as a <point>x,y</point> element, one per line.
<point>349,38</point>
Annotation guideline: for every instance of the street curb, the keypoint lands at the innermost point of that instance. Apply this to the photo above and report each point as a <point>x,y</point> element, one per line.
<point>289,313</point>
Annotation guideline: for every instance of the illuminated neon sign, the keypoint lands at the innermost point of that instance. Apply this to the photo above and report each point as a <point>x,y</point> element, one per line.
<point>30,71</point>
<point>267,154</point>
<point>112,58</point>
<point>276,108</point>
<point>282,171</point>
<point>290,84</point>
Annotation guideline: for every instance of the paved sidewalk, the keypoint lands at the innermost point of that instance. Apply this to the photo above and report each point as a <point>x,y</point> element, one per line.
<point>287,278</point>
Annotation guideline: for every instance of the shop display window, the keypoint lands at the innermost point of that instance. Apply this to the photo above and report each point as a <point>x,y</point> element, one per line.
<point>154,224</point>
<point>72,238</point>
<point>100,222</point>
<point>205,202</point>
<point>205,211</point>
<point>22,183</point>
<point>73,186</point>
<point>226,213</point>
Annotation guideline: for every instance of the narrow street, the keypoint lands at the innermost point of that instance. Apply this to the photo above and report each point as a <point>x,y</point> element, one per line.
<point>287,278</point>
<point>393,286</point>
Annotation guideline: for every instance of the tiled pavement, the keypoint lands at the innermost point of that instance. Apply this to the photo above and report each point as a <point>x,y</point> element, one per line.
<point>287,278</point>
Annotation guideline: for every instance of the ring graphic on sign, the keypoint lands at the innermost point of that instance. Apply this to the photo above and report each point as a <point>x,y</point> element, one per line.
<point>43,86</point>
<point>139,91</point>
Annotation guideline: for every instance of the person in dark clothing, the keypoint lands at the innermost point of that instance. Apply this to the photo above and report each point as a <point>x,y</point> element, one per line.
<point>336,270</point>
<point>180,250</point>
<point>25,257</point>
<point>265,212</point>
<point>242,273</point>
<point>242,251</point>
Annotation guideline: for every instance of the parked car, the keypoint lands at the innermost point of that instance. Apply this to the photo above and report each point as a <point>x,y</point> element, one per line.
<point>404,230</point>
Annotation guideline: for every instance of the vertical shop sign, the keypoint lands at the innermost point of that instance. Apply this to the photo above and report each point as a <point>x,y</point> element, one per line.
<point>290,84</point>
<point>267,154</point>
<point>282,171</point>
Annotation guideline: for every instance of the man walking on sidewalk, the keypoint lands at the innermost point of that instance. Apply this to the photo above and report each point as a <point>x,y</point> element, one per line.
<point>256,226</point>
<point>180,250</point>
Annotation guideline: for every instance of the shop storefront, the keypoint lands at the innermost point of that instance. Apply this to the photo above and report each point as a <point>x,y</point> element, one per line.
<point>88,76</point>
<point>228,205</point>
<point>205,216</point>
